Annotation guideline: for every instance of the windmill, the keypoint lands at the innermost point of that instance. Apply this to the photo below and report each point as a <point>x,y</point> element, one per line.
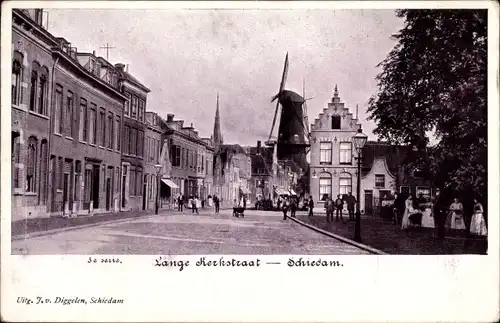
<point>292,140</point>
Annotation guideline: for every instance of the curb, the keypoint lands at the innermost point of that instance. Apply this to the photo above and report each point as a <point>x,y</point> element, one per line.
<point>336,236</point>
<point>76,227</point>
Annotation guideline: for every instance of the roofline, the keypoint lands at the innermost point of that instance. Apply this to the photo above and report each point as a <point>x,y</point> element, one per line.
<point>59,52</point>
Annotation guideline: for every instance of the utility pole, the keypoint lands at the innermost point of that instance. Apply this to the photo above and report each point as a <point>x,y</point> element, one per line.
<point>107,48</point>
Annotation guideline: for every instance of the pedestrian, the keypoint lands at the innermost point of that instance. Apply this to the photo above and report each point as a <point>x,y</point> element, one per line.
<point>180,203</point>
<point>339,205</point>
<point>477,223</point>
<point>455,218</point>
<point>311,205</point>
<point>439,209</point>
<point>351,201</point>
<point>195,202</point>
<point>293,206</point>
<point>409,210</point>
<point>329,209</point>
<point>285,208</point>
<point>216,202</point>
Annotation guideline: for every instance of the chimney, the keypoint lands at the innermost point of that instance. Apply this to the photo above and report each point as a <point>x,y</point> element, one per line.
<point>120,66</point>
<point>170,117</point>
<point>258,146</point>
<point>93,52</point>
<point>126,69</point>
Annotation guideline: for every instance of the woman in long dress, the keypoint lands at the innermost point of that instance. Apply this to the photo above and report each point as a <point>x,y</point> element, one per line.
<point>457,215</point>
<point>477,223</point>
<point>405,222</point>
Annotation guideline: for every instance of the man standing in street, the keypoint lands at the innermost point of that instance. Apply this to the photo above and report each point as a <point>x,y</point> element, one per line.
<point>195,204</point>
<point>351,201</point>
<point>216,202</point>
<point>311,206</point>
<point>440,210</point>
<point>180,203</point>
<point>339,205</point>
<point>293,206</point>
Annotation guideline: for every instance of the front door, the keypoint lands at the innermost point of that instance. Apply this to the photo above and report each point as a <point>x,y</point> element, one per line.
<point>65,192</point>
<point>124,180</point>
<point>95,186</point>
<point>368,202</point>
<point>108,194</point>
<point>144,191</point>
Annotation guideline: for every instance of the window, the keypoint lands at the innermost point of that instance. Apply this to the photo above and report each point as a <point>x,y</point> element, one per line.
<point>133,112</point>
<point>60,172</point>
<point>126,141</point>
<point>117,133</point>
<point>138,178</point>
<point>325,186</point>
<point>111,135</point>
<point>42,91</point>
<point>335,122</point>
<point>345,184</point>
<point>31,165</point>
<point>379,180</point>
<point>140,143</point>
<point>127,104</point>
<point>158,150</point>
<point>325,153</point>
<point>346,153</point>
<point>83,119</point>
<point>17,72</point>
<point>16,151</point>
<point>141,110</point>
<point>405,190</point>
<point>177,159</point>
<point>202,163</point>
<point>93,124</point>
<point>43,170</point>
<point>133,141</point>
<point>58,120</point>
<point>418,173</point>
<point>69,114</point>
<point>425,191</point>
<point>102,124</point>
<point>35,71</point>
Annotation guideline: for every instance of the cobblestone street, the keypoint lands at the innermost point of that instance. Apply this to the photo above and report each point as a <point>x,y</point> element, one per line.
<point>259,232</point>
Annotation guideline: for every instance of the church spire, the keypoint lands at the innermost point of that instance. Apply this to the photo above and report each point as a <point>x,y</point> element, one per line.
<point>335,92</point>
<point>217,133</point>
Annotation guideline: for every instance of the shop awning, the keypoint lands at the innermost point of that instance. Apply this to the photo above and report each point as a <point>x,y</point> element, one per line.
<point>292,192</point>
<point>280,191</point>
<point>169,183</point>
<point>244,190</point>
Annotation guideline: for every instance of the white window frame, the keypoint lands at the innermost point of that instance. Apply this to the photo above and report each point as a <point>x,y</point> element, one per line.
<point>325,158</point>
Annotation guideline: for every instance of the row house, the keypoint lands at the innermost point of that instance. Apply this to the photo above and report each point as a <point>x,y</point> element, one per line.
<point>333,165</point>
<point>134,178</point>
<point>84,165</point>
<point>32,77</point>
<point>153,146</point>
<point>191,158</point>
<point>236,174</point>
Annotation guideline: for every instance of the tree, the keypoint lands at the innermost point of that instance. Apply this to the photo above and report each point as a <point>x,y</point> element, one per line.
<point>435,79</point>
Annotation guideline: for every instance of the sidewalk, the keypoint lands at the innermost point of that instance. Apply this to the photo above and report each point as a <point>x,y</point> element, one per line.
<point>28,226</point>
<point>384,235</point>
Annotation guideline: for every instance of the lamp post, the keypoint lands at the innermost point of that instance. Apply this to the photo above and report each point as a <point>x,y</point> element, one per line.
<point>158,169</point>
<point>359,140</point>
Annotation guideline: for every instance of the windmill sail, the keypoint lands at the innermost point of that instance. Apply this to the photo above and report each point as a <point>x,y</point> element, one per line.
<point>282,86</point>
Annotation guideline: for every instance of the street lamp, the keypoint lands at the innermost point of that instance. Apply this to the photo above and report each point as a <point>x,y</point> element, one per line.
<point>359,140</point>
<point>158,169</point>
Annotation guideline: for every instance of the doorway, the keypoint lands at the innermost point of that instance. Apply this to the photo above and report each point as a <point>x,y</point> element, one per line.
<point>144,191</point>
<point>368,202</point>
<point>95,186</point>
<point>65,193</point>
<point>108,194</point>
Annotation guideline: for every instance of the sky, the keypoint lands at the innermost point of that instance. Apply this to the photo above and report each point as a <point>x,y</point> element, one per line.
<point>186,57</point>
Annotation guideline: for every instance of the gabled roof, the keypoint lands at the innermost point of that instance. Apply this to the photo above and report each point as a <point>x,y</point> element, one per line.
<point>394,155</point>
<point>127,76</point>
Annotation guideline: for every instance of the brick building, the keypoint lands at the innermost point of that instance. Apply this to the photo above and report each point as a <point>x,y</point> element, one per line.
<point>236,173</point>
<point>32,68</point>
<point>134,128</point>
<point>84,167</point>
<point>192,160</point>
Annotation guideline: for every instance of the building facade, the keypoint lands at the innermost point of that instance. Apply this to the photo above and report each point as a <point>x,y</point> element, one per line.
<point>32,76</point>
<point>134,127</point>
<point>153,145</point>
<point>236,173</point>
<point>84,166</point>
<point>192,160</point>
<point>333,167</point>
